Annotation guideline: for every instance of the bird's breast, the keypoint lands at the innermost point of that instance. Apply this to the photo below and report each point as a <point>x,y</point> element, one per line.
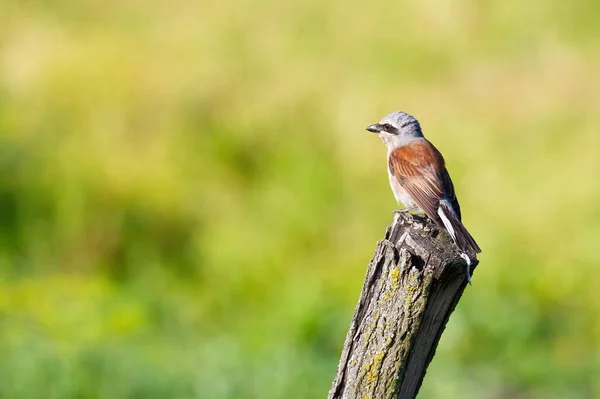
<point>401,195</point>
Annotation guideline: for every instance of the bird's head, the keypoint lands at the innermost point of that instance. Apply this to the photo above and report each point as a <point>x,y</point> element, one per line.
<point>397,129</point>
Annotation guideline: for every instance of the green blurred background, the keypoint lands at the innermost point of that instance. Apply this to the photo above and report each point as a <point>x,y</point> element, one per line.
<point>189,199</point>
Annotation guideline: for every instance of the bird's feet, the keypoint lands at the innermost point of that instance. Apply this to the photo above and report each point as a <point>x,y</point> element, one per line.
<point>401,211</point>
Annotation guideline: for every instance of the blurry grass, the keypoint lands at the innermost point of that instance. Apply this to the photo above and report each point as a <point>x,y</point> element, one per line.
<point>189,200</point>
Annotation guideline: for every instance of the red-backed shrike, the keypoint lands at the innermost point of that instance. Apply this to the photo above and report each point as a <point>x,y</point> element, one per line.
<point>420,181</point>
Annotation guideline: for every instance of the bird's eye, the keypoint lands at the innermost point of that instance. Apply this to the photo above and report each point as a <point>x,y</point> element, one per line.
<point>387,127</point>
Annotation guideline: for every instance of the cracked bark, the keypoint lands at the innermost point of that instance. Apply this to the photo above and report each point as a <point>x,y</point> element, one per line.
<point>412,285</point>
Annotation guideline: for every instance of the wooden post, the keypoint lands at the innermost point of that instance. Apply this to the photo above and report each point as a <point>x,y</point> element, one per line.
<point>412,285</point>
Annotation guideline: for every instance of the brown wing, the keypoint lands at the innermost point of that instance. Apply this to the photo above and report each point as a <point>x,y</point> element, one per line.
<point>421,171</point>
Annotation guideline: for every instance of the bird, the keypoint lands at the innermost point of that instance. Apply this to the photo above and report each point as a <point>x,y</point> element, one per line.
<point>420,181</point>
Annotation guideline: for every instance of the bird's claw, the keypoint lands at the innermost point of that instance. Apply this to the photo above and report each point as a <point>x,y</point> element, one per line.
<point>401,211</point>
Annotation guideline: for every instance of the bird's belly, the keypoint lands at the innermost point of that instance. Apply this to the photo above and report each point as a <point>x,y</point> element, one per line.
<point>402,196</point>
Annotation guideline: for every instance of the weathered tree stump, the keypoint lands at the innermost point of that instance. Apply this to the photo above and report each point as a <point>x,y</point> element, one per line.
<point>413,283</point>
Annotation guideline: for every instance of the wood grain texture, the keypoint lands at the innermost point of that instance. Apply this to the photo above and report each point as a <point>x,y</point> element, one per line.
<point>412,285</point>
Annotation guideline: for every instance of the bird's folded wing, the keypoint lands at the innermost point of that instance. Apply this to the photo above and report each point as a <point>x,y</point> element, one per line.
<point>420,169</point>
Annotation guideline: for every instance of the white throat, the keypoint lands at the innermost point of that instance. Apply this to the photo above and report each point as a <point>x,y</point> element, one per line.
<point>393,141</point>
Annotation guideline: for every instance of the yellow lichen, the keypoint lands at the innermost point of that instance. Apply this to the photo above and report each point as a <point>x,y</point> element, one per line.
<point>394,276</point>
<point>386,297</point>
<point>371,367</point>
<point>377,359</point>
<point>371,377</point>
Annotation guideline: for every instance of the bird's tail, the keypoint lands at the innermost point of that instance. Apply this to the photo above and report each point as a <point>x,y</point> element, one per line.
<point>464,241</point>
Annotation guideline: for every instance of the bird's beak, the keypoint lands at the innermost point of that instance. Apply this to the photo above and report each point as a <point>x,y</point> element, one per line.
<point>376,128</point>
